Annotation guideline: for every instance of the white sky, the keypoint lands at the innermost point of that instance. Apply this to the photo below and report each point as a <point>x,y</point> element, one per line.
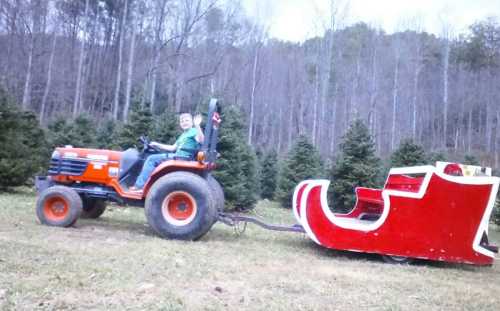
<point>296,20</point>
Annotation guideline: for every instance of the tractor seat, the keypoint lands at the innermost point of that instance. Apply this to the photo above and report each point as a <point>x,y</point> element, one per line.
<point>192,155</point>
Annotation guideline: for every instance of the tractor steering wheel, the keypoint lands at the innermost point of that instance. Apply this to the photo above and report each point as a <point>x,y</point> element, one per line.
<point>147,147</point>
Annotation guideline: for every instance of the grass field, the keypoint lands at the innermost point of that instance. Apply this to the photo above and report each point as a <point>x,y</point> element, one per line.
<point>117,263</point>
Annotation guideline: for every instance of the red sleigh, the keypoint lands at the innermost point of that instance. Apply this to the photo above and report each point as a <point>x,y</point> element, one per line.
<point>422,212</point>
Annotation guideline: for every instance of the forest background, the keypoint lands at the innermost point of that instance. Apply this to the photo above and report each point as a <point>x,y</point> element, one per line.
<point>100,73</point>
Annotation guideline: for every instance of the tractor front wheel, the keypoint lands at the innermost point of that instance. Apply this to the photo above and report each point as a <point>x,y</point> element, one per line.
<point>93,208</point>
<point>59,206</point>
<point>180,205</point>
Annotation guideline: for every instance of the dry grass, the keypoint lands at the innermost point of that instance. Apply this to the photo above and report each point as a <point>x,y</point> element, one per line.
<point>117,263</point>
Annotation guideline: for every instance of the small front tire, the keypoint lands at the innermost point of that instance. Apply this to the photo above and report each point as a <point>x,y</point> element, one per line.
<point>59,206</point>
<point>93,208</point>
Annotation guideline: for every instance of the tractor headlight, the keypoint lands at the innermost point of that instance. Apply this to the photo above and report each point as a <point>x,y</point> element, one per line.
<point>55,154</point>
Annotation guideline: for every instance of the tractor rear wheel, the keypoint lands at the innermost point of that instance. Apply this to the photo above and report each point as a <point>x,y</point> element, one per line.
<point>93,208</point>
<point>217,191</point>
<point>59,206</point>
<point>181,205</point>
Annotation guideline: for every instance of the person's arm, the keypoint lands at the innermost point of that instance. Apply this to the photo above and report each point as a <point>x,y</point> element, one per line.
<point>200,137</point>
<point>164,147</point>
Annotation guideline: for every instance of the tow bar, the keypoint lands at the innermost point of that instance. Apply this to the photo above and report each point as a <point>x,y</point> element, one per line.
<point>234,220</point>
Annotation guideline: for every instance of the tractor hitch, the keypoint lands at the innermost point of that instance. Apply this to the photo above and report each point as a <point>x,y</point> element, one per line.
<point>234,219</point>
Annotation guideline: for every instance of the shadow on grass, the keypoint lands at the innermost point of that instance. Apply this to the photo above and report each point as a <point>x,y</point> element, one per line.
<point>114,224</point>
<point>376,258</point>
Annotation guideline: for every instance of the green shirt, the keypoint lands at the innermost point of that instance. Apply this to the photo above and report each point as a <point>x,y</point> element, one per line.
<point>187,140</point>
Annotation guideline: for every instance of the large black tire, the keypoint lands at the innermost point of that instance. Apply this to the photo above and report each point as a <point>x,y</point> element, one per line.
<point>217,191</point>
<point>59,206</point>
<point>180,205</point>
<point>93,208</point>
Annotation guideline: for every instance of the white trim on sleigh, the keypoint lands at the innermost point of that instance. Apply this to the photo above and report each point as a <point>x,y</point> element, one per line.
<point>386,193</point>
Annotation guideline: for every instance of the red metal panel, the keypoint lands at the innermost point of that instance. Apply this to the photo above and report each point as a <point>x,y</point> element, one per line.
<point>442,224</point>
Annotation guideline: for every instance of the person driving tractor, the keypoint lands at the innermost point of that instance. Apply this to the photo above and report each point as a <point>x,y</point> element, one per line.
<point>184,146</point>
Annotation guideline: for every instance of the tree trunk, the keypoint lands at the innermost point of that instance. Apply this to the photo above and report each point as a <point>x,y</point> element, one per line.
<point>279,129</point>
<point>252,95</point>
<point>49,78</point>
<point>373,94</point>
<point>116,99</point>
<point>315,106</point>
<point>153,76</point>
<point>130,70</point>
<point>445,90</point>
<point>77,98</point>
<point>497,140</point>
<point>469,132</point>
<point>395,102</point>
<point>27,83</point>
<point>333,118</point>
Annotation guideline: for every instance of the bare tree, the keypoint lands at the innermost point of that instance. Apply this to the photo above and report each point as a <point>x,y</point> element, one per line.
<point>116,100</point>
<point>78,90</point>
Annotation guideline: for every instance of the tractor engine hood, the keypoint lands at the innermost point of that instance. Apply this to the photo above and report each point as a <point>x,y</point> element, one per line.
<point>87,154</point>
<point>91,164</point>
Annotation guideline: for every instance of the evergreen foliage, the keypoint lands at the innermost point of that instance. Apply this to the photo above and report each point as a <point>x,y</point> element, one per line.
<point>302,162</point>
<point>106,136</point>
<point>140,123</point>
<point>237,165</point>
<point>470,159</point>
<point>166,127</point>
<point>24,152</point>
<point>408,154</point>
<point>496,212</point>
<point>434,157</point>
<point>357,166</point>
<point>80,133</point>
<point>268,175</point>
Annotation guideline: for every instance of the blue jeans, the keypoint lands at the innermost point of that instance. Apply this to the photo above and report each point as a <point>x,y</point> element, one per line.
<point>149,165</point>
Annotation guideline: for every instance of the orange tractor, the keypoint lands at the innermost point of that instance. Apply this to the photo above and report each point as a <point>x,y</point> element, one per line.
<point>182,200</point>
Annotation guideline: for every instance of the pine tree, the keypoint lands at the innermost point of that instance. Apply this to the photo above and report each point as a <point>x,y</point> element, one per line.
<point>80,133</point>
<point>496,212</point>
<point>302,162</point>
<point>434,157</point>
<point>166,127</point>
<point>237,165</point>
<point>106,137</point>
<point>357,166</point>
<point>140,123</point>
<point>470,159</point>
<point>269,175</point>
<point>84,129</point>
<point>24,149</point>
<point>408,154</point>
<point>60,133</point>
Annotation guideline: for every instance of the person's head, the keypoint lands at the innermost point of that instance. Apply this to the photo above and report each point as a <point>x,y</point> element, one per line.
<point>186,121</point>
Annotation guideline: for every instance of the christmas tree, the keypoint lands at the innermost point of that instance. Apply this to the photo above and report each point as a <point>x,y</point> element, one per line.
<point>408,154</point>
<point>237,165</point>
<point>303,162</point>
<point>269,175</point>
<point>140,123</point>
<point>24,149</point>
<point>357,166</point>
